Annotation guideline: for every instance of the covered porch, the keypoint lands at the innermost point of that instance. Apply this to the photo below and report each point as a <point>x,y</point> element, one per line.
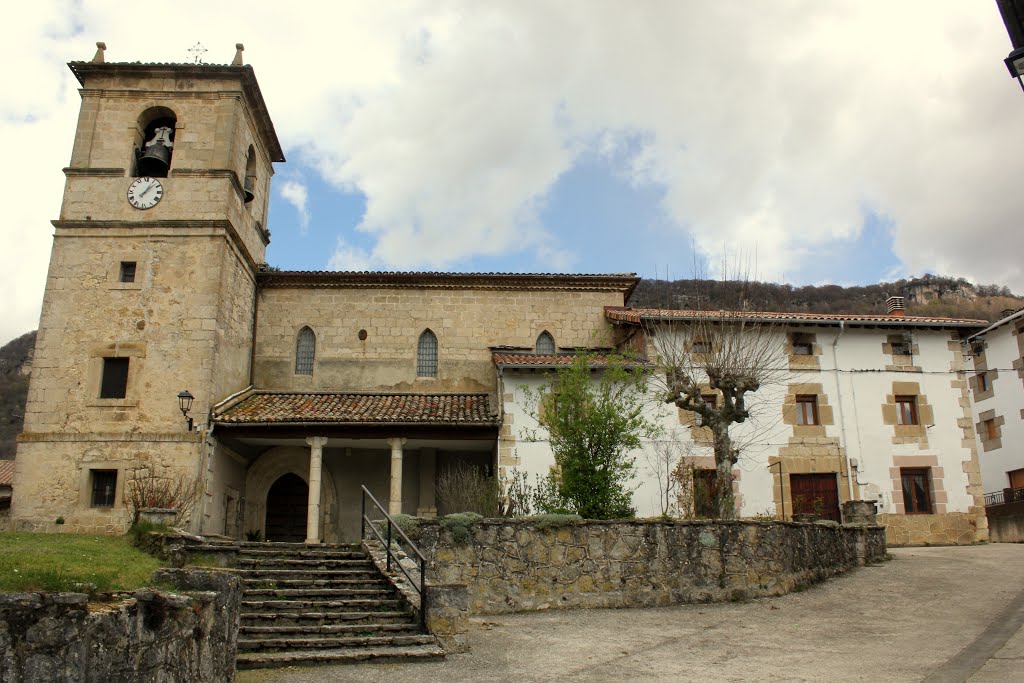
<point>300,459</point>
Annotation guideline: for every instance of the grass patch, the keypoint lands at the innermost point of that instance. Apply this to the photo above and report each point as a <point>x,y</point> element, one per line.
<point>71,562</point>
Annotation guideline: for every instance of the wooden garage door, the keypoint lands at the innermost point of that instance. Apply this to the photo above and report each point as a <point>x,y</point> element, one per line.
<point>816,494</point>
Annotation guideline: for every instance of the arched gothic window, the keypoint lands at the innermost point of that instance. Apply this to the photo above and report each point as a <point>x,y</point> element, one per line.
<point>545,343</point>
<point>426,355</point>
<point>305,351</point>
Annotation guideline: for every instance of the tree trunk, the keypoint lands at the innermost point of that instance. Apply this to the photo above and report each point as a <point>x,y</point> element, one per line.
<point>725,502</point>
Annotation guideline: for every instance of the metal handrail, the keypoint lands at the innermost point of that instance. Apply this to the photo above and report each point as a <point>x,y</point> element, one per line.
<point>366,521</point>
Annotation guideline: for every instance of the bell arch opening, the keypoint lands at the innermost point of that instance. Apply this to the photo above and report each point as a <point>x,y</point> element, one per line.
<point>154,142</point>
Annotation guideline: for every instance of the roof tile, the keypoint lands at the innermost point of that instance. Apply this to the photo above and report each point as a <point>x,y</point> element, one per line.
<point>635,315</point>
<point>358,408</point>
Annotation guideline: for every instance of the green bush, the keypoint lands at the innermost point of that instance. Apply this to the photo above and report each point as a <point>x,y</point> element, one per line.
<point>459,524</point>
<point>409,525</point>
<point>553,520</point>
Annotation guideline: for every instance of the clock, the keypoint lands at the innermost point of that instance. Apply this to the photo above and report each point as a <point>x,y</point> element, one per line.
<point>144,193</point>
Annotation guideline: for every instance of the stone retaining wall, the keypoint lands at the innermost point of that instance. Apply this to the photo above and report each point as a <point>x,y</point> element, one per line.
<point>147,635</point>
<point>517,565</point>
<point>1006,522</point>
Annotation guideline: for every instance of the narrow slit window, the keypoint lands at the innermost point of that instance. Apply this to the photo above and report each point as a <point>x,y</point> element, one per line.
<point>545,344</point>
<point>426,355</point>
<point>901,347</point>
<point>114,383</point>
<point>305,352</point>
<point>983,381</point>
<point>702,346</point>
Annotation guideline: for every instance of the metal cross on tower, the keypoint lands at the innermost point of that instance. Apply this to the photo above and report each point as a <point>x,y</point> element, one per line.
<point>197,51</point>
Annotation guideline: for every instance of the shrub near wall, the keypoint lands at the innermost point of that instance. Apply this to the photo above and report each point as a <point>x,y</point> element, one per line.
<point>517,565</point>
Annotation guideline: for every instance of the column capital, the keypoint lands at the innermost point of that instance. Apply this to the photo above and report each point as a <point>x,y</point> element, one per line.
<point>316,441</point>
<point>396,442</point>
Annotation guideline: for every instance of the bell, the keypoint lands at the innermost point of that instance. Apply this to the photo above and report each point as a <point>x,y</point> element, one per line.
<point>249,188</point>
<point>155,161</point>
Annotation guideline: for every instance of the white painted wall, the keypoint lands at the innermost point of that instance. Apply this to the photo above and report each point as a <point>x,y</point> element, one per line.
<point>856,383</point>
<point>1007,401</point>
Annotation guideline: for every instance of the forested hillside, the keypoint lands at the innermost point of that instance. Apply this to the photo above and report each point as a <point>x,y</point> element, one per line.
<point>15,365</point>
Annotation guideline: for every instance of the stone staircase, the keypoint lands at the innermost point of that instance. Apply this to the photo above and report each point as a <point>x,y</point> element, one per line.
<point>312,604</point>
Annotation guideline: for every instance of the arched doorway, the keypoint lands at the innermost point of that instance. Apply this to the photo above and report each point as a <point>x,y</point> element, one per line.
<point>287,502</point>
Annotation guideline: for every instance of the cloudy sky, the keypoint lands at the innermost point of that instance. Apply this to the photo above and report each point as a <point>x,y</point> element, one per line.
<point>839,141</point>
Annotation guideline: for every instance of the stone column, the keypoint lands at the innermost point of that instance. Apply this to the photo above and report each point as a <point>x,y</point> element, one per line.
<point>428,468</point>
<point>395,499</point>
<point>316,454</point>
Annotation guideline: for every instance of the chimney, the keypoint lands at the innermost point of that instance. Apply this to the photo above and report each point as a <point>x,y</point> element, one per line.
<point>895,307</point>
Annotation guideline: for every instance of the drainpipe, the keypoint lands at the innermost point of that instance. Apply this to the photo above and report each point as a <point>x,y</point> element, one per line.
<point>842,417</point>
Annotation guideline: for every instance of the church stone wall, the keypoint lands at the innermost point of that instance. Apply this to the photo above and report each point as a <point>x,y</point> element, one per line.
<point>466,322</point>
<point>52,477</point>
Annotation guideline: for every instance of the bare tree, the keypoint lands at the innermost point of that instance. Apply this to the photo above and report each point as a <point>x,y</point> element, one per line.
<point>710,362</point>
<point>663,461</point>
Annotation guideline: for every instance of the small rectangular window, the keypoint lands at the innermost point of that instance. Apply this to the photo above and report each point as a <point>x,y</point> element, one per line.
<point>104,485</point>
<point>807,409</point>
<point>991,430</point>
<point>802,345</point>
<point>127,271</point>
<point>702,346</point>
<point>983,381</point>
<point>906,410</point>
<point>917,496</point>
<point>114,383</point>
<point>901,347</point>
<point>711,400</point>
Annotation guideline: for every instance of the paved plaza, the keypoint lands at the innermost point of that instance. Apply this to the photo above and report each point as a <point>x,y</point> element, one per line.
<point>930,614</point>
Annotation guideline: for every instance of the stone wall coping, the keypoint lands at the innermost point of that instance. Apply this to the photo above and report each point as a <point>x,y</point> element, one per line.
<point>527,522</point>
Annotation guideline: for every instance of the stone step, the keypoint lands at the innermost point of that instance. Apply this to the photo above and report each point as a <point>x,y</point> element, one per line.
<point>336,593</point>
<point>298,547</point>
<point>263,660</point>
<point>277,631</point>
<point>332,643</point>
<point>367,572</point>
<point>303,554</point>
<point>290,563</point>
<point>350,605</point>
<point>314,581</point>
<point>333,618</point>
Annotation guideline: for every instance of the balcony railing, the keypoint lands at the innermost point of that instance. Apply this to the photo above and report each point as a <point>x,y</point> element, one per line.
<point>1003,497</point>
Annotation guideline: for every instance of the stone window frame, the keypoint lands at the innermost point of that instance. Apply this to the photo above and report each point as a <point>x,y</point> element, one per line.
<point>826,416</point>
<point>114,270</point>
<point>85,484</point>
<point>901,362</point>
<point>982,375</point>
<point>1018,364</point>
<point>135,352</point>
<point>989,430</point>
<point>305,367</point>
<point>908,433</point>
<point>803,361</point>
<point>939,497</point>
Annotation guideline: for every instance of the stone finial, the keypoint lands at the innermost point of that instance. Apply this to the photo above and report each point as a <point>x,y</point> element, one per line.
<point>98,57</point>
<point>237,61</point>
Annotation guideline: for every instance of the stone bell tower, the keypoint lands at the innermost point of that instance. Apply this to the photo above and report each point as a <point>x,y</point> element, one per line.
<point>151,284</point>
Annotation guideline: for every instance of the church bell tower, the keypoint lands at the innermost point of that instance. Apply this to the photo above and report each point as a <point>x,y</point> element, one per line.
<point>151,284</point>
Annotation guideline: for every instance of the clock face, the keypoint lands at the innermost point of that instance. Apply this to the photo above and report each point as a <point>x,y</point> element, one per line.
<point>144,193</point>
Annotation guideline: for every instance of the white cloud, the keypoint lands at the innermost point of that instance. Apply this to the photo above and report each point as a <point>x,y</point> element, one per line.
<point>349,257</point>
<point>295,193</point>
<point>769,125</point>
